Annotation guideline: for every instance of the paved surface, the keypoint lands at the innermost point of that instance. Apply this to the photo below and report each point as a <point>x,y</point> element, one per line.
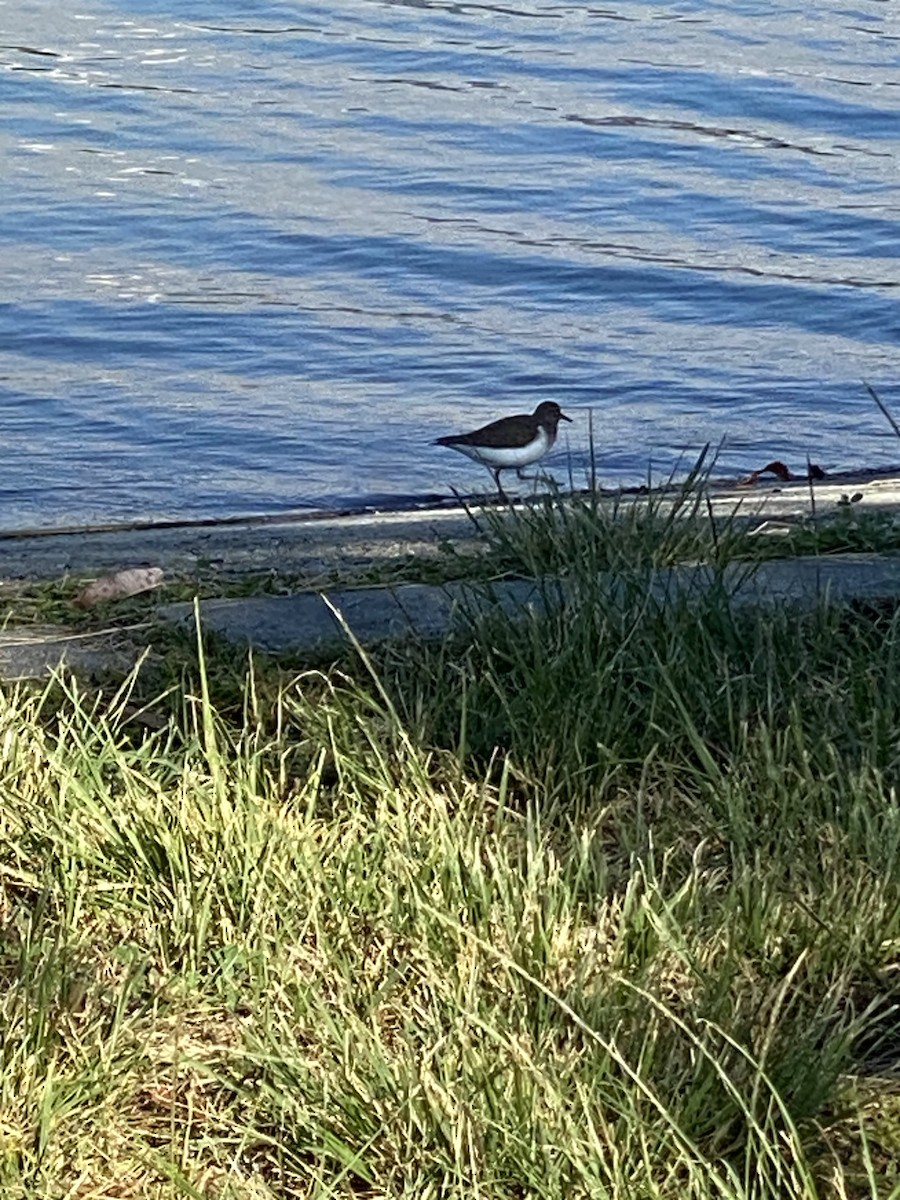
<point>307,624</point>
<point>310,546</point>
<point>301,547</point>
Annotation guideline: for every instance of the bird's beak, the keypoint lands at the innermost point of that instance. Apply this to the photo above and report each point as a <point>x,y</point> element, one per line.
<point>563,417</point>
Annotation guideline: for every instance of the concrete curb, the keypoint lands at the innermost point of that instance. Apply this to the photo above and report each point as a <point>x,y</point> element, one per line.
<point>305,622</point>
<point>36,651</point>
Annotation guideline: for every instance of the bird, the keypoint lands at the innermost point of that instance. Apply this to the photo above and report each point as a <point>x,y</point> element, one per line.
<point>510,442</point>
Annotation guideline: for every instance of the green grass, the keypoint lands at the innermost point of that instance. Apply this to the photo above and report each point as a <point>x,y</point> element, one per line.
<point>674,523</point>
<point>604,902</point>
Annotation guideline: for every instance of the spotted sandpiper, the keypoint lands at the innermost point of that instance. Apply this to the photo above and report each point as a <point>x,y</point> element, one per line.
<point>511,441</point>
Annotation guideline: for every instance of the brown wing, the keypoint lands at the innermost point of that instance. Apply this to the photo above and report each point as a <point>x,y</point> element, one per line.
<point>508,431</point>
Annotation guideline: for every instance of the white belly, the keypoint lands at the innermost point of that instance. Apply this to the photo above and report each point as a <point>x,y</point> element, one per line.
<point>519,456</point>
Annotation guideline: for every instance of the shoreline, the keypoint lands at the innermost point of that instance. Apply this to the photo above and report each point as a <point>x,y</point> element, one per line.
<point>433,503</point>
<point>307,544</point>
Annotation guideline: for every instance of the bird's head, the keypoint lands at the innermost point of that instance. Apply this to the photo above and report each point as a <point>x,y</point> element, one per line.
<point>549,413</point>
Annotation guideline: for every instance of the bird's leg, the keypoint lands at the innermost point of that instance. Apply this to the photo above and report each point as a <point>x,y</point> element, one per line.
<point>496,474</point>
<point>533,478</point>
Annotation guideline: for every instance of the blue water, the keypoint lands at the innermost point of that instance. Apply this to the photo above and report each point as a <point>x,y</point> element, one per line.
<point>256,257</point>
